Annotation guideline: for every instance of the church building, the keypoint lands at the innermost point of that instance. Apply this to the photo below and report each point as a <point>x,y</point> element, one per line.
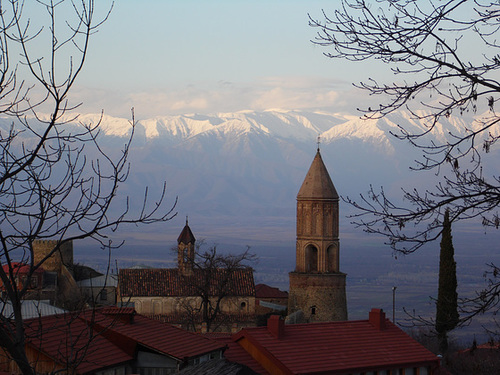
<point>175,295</point>
<point>317,287</point>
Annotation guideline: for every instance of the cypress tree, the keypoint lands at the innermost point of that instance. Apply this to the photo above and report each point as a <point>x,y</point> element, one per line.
<point>446,306</point>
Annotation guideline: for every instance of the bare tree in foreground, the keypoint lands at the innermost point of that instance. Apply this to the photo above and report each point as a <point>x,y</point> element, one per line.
<point>56,182</point>
<point>444,56</point>
<point>215,279</point>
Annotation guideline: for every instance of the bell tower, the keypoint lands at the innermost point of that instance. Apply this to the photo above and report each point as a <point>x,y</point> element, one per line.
<point>317,287</point>
<point>185,250</point>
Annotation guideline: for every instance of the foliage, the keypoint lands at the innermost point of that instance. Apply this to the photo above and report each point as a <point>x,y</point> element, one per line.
<point>56,181</point>
<point>447,317</point>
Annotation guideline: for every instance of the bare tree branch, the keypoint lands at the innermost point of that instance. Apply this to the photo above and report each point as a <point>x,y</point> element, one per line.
<point>56,180</point>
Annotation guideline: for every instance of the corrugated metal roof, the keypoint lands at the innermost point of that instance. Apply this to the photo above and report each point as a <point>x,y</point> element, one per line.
<point>349,346</point>
<point>171,282</point>
<point>30,309</point>
<point>99,282</point>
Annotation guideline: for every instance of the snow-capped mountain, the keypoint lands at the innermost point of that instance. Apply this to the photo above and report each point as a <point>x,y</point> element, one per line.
<point>232,171</point>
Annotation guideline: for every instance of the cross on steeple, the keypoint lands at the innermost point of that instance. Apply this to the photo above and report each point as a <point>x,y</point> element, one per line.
<point>319,141</point>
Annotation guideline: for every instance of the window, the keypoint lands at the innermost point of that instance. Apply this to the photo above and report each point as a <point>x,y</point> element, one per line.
<point>243,305</point>
<point>313,310</point>
<point>34,281</point>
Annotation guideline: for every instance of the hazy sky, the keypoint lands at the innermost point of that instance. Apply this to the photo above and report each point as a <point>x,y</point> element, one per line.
<point>173,57</point>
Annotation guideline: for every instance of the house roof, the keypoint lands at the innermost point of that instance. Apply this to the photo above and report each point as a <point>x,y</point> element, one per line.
<point>166,339</point>
<point>172,283</point>
<point>20,268</point>
<point>235,353</point>
<point>66,338</point>
<point>334,347</point>
<point>266,291</point>
<point>112,340</point>
<point>317,184</point>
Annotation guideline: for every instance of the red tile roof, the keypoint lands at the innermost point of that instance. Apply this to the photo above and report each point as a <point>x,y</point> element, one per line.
<point>111,341</point>
<point>166,338</point>
<point>67,339</point>
<point>335,347</point>
<point>20,268</point>
<point>223,318</point>
<point>266,291</point>
<point>170,282</point>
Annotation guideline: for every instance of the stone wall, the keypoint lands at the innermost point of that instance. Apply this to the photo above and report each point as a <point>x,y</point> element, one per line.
<point>63,256</point>
<point>321,297</point>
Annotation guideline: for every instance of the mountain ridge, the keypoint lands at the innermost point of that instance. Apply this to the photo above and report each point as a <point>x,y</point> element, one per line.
<point>249,165</point>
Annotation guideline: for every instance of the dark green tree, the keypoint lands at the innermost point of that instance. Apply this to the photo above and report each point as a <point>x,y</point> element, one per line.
<point>447,317</point>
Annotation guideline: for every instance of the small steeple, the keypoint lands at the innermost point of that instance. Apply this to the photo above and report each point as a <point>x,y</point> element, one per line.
<point>186,250</point>
<point>186,235</point>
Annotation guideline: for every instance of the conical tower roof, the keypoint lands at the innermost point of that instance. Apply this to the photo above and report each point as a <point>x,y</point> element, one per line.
<point>186,235</point>
<point>317,184</point>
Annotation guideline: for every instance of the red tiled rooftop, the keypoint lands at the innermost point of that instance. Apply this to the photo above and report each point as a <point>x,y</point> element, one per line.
<point>112,340</point>
<point>21,268</point>
<point>67,338</point>
<point>171,282</point>
<point>179,318</point>
<point>166,338</point>
<point>348,346</point>
<point>266,291</point>
<point>237,354</point>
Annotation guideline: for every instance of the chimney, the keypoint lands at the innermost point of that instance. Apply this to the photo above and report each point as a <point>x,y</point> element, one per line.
<point>122,314</point>
<point>377,319</point>
<point>276,326</point>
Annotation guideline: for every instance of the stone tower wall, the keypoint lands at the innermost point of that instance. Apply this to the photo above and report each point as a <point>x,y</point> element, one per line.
<point>318,227</point>
<point>185,258</point>
<point>321,297</point>
<point>317,287</point>
<point>64,256</point>
<point>317,219</point>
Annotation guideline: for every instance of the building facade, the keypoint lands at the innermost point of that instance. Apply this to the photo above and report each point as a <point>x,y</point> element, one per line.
<point>176,295</point>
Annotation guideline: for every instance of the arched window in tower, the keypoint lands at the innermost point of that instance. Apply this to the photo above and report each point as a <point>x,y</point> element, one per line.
<point>311,258</point>
<point>332,257</point>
